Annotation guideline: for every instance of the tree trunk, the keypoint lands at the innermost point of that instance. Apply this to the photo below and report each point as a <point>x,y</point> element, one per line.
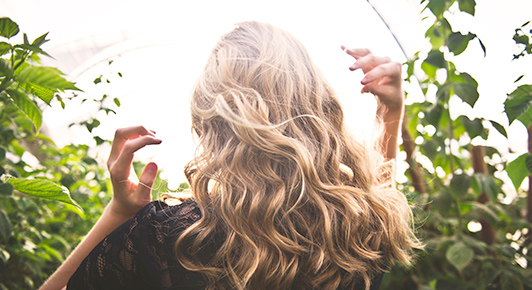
<point>479,166</point>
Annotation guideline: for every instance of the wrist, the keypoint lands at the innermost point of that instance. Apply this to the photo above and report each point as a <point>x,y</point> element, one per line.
<point>391,108</point>
<point>390,114</point>
<point>117,213</point>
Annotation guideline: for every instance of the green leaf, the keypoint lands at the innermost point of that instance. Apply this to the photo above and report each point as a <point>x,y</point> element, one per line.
<point>45,77</point>
<point>474,128</point>
<point>2,153</point>
<point>27,107</point>
<point>5,227</point>
<point>43,189</point>
<point>443,93</point>
<point>437,7</point>
<point>510,281</point>
<point>4,48</point>
<point>517,170</point>
<point>459,255</point>
<point>99,141</point>
<point>458,42</point>
<point>467,6</point>
<point>521,39</point>
<point>60,101</point>
<point>443,201</point>
<point>430,148</point>
<point>485,183</point>
<point>465,87</point>
<point>52,252</point>
<point>90,125</point>
<point>8,28</point>
<point>499,128</point>
<point>41,92</point>
<point>32,48</point>
<point>6,189</point>
<point>460,184</point>
<point>40,40</point>
<point>435,35</point>
<point>528,163</point>
<point>24,123</point>
<point>518,105</point>
<point>433,115</point>
<point>436,59</point>
<point>5,68</point>
<point>481,211</point>
<point>117,102</point>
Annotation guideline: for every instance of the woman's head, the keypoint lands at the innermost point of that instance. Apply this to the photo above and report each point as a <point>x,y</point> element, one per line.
<point>261,75</point>
<point>280,183</point>
<point>260,88</point>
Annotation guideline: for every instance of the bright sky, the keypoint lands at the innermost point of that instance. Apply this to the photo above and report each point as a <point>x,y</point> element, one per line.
<point>167,42</point>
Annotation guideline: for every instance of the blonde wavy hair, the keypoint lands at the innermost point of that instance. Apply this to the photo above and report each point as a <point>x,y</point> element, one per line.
<point>290,200</point>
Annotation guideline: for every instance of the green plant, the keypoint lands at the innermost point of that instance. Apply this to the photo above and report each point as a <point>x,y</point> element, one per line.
<point>474,232</point>
<point>36,234</point>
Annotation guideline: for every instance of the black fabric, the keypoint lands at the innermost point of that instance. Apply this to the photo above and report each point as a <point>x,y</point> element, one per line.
<point>139,254</point>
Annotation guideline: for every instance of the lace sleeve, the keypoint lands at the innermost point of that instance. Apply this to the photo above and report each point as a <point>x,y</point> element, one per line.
<point>139,253</point>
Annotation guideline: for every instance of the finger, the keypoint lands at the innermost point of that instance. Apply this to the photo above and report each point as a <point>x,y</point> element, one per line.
<point>147,178</point>
<point>124,134</point>
<point>356,52</point>
<point>369,62</point>
<point>390,69</point>
<point>120,169</point>
<point>379,91</point>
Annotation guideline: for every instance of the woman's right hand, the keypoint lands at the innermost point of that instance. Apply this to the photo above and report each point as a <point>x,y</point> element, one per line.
<point>130,193</point>
<point>382,77</point>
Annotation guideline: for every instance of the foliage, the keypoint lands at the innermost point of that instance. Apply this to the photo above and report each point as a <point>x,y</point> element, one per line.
<point>460,190</point>
<point>37,234</point>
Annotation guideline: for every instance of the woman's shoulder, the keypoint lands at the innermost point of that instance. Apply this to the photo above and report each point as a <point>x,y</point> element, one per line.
<point>171,219</point>
<point>139,253</point>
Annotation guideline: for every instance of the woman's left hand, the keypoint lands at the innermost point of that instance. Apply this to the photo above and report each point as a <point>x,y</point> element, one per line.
<point>382,77</point>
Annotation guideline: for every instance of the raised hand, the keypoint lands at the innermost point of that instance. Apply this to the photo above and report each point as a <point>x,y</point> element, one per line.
<point>129,193</point>
<point>382,77</point>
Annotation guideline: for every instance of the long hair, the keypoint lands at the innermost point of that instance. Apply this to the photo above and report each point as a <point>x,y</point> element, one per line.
<point>290,200</point>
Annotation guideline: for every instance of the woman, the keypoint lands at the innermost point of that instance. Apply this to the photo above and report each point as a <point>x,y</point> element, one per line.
<point>284,198</point>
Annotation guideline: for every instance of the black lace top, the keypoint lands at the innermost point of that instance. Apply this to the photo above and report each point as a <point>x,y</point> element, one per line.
<point>139,254</point>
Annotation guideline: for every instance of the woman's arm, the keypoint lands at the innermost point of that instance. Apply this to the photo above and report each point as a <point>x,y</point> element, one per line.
<point>129,195</point>
<point>382,77</point>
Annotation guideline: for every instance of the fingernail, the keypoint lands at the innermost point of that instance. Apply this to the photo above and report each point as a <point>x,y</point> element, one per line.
<point>354,67</point>
<point>151,167</point>
<point>364,81</point>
